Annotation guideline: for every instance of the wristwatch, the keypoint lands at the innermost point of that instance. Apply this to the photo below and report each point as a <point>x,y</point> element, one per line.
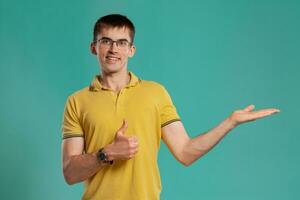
<point>102,157</point>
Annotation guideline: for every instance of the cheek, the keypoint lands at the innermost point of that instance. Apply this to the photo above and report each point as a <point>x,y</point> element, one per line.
<point>125,55</point>
<point>101,55</point>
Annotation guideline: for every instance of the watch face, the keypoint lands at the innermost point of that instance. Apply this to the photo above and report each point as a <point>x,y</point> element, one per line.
<point>102,156</point>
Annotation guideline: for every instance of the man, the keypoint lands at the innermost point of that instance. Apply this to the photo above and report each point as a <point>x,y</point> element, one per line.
<point>112,129</point>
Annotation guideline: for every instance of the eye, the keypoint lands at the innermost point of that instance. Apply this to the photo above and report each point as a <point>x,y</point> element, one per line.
<point>122,43</point>
<point>105,41</point>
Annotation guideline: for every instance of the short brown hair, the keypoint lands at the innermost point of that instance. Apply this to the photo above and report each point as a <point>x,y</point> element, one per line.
<point>114,21</point>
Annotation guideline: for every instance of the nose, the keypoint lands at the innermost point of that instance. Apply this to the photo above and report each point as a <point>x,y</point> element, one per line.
<point>113,46</point>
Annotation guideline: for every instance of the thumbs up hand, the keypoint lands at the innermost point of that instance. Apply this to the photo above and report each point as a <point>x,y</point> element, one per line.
<point>123,147</point>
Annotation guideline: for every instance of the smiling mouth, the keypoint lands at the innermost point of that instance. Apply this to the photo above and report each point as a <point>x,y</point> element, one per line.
<point>112,58</point>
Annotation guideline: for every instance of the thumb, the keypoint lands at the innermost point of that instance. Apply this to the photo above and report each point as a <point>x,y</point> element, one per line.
<point>249,108</point>
<point>123,128</point>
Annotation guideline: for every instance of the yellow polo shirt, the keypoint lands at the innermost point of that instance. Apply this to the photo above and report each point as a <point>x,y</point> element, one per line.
<point>96,113</point>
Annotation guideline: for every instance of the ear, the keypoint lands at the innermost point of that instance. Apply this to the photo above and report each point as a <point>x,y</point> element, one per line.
<point>93,48</point>
<point>132,51</point>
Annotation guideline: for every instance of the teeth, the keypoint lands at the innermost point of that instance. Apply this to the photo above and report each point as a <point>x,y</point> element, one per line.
<point>112,58</point>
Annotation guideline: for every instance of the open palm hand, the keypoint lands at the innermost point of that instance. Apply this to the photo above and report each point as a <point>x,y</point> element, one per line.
<point>247,114</point>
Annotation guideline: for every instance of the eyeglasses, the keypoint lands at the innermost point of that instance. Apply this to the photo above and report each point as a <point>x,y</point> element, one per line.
<point>122,44</point>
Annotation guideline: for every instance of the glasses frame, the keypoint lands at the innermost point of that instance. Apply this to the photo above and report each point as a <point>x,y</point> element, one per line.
<point>112,43</point>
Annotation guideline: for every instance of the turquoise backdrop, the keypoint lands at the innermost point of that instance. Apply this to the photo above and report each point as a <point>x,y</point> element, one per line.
<point>213,57</point>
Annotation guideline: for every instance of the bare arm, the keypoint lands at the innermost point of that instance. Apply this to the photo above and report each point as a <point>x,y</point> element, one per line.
<point>188,150</point>
<point>78,167</point>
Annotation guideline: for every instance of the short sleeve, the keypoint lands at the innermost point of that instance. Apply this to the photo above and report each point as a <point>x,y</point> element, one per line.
<point>168,113</point>
<point>71,125</point>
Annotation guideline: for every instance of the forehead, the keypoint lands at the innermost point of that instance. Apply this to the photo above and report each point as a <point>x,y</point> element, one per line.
<point>115,33</point>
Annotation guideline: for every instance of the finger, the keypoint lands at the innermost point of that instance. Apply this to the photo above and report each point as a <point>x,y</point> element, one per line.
<point>134,139</point>
<point>120,134</point>
<point>130,156</point>
<point>133,144</point>
<point>134,151</point>
<point>275,110</point>
<point>268,111</point>
<point>263,113</point>
<point>123,127</point>
<point>249,108</point>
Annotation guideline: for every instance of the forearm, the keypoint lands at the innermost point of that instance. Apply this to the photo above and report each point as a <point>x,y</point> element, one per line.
<point>81,167</point>
<point>200,145</point>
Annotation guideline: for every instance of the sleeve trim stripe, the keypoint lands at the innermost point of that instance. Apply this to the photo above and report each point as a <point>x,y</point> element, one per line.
<point>70,135</point>
<point>169,122</point>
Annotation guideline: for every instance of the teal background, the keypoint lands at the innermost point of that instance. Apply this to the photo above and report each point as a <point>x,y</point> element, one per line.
<point>213,57</point>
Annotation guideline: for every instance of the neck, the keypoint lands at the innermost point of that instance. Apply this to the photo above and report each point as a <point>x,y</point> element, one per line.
<point>115,81</point>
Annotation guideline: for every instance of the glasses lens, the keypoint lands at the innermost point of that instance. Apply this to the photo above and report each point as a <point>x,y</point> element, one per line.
<point>105,41</point>
<point>121,44</point>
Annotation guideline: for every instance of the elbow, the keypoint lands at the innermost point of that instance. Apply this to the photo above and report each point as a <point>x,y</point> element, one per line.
<point>68,176</point>
<point>184,157</point>
<point>186,163</point>
<point>189,158</point>
<point>189,161</point>
<point>68,173</point>
<point>69,179</point>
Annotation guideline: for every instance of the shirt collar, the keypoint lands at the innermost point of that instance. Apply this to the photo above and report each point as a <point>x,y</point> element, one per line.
<point>96,84</point>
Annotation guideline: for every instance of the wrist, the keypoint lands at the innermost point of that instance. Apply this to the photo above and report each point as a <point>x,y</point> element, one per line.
<point>108,151</point>
<point>102,157</point>
<point>231,122</point>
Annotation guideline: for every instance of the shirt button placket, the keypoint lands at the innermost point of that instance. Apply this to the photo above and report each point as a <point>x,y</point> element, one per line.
<point>119,102</point>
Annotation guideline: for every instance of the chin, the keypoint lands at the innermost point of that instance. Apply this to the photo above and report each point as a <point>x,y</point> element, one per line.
<point>112,69</point>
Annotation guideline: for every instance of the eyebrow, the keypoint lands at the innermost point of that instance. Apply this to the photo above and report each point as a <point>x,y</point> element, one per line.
<point>122,39</point>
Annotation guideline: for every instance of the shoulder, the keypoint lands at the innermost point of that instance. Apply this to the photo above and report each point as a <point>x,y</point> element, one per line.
<point>156,90</point>
<point>152,85</point>
<point>79,94</point>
